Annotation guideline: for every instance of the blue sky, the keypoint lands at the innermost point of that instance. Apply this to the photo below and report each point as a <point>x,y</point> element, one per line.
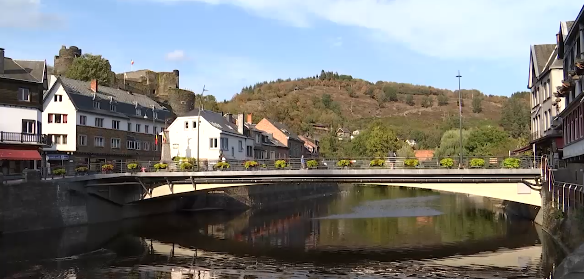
<point>228,44</point>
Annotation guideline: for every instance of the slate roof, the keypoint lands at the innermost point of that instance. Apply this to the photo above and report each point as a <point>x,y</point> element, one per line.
<point>83,97</point>
<point>541,55</point>
<point>26,70</point>
<point>569,24</point>
<point>290,134</point>
<point>216,119</point>
<point>273,141</point>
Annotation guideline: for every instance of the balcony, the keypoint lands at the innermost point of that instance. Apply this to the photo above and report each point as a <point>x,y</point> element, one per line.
<point>548,133</point>
<point>23,138</point>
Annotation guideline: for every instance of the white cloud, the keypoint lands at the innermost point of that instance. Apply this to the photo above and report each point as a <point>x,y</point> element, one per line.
<point>337,42</point>
<point>177,55</point>
<point>26,14</point>
<point>482,29</point>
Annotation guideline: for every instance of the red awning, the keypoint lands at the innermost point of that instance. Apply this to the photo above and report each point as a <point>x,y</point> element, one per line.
<point>522,149</point>
<point>20,155</point>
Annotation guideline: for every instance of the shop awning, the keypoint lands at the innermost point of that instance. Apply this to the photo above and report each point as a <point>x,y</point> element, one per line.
<point>19,155</point>
<point>522,149</point>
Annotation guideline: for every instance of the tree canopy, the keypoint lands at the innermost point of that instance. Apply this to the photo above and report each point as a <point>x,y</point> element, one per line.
<point>88,67</point>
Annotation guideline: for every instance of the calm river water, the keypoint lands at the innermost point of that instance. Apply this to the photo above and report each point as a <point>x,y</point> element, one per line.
<point>362,232</point>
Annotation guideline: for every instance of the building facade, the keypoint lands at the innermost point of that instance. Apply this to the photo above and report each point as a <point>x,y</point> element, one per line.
<point>283,135</point>
<point>211,136</point>
<point>266,147</point>
<point>22,83</point>
<point>571,49</point>
<point>91,124</point>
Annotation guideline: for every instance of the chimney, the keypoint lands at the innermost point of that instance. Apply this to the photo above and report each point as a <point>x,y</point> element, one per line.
<point>94,85</point>
<point>249,119</point>
<point>1,60</point>
<point>240,123</point>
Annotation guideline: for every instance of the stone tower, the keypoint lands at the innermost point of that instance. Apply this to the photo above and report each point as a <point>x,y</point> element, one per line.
<point>65,58</point>
<point>181,101</point>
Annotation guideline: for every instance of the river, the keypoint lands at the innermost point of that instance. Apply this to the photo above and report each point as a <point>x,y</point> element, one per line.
<point>362,232</point>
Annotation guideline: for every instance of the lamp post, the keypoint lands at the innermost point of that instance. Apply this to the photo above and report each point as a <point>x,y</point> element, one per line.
<point>198,124</point>
<point>460,119</point>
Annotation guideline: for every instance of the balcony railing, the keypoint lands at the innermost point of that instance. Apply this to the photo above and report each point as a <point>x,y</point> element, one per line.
<point>10,137</point>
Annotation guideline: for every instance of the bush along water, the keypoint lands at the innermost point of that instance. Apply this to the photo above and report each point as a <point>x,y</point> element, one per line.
<point>477,163</point>
<point>377,163</point>
<point>251,164</point>
<point>411,163</point>
<point>447,163</point>
<point>280,164</point>
<point>344,163</point>
<point>511,163</point>
<point>312,164</point>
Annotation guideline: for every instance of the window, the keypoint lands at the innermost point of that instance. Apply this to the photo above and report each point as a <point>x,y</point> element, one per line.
<point>213,143</point>
<point>28,126</point>
<point>82,120</point>
<point>129,127</point>
<point>225,144</point>
<point>59,139</point>
<point>113,107</point>
<point>99,122</point>
<point>258,138</point>
<point>272,155</point>
<point>138,128</point>
<point>116,143</point>
<point>96,105</point>
<point>98,141</point>
<point>58,98</point>
<point>23,94</point>
<point>138,146</point>
<point>131,144</point>
<point>194,124</point>
<point>240,146</point>
<point>82,140</point>
<point>155,130</point>
<point>146,145</point>
<point>138,112</point>
<point>249,152</point>
<point>57,118</point>
<point>155,115</point>
<point>115,124</point>
<point>146,129</point>
<point>186,125</point>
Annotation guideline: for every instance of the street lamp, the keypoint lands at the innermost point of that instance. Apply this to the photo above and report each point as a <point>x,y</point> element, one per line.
<point>198,124</point>
<point>460,118</point>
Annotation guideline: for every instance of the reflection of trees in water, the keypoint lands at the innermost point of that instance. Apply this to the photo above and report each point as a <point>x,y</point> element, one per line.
<point>462,220</point>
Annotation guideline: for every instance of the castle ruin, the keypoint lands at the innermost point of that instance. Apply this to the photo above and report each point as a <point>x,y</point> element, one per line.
<point>161,86</point>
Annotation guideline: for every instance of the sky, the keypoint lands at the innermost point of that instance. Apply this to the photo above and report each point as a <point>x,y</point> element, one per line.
<point>225,45</point>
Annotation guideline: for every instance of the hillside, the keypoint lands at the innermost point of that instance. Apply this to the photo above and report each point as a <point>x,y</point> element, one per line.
<point>414,111</point>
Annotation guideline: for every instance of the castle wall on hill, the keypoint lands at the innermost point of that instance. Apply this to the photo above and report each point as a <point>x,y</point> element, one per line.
<point>65,58</point>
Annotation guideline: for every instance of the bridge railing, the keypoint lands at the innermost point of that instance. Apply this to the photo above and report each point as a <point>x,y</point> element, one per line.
<point>489,162</point>
<point>564,196</point>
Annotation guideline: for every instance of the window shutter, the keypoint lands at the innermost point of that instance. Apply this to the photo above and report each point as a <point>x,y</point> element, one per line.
<point>64,118</point>
<point>50,118</point>
<point>23,126</point>
<point>39,128</point>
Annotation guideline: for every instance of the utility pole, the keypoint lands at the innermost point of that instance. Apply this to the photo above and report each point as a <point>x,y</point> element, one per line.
<point>460,118</point>
<point>199,124</point>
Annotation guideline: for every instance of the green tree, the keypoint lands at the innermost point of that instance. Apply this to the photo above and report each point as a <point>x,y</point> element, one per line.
<point>379,140</point>
<point>328,146</point>
<point>406,151</point>
<point>477,104</point>
<point>410,100</point>
<point>450,144</point>
<point>88,67</point>
<point>390,93</point>
<point>487,140</point>
<point>515,116</point>
<point>427,101</point>
<point>327,101</point>
<point>442,100</point>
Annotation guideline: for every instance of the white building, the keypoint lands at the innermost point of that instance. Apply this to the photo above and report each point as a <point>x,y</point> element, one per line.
<point>217,135</point>
<point>92,124</point>
<point>22,83</point>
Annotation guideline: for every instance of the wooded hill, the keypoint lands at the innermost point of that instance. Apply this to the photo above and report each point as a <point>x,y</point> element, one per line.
<point>418,112</point>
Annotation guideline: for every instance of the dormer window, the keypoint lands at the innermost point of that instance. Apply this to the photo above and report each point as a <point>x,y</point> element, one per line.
<point>113,107</point>
<point>155,115</point>
<point>96,105</point>
<point>138,112</point>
